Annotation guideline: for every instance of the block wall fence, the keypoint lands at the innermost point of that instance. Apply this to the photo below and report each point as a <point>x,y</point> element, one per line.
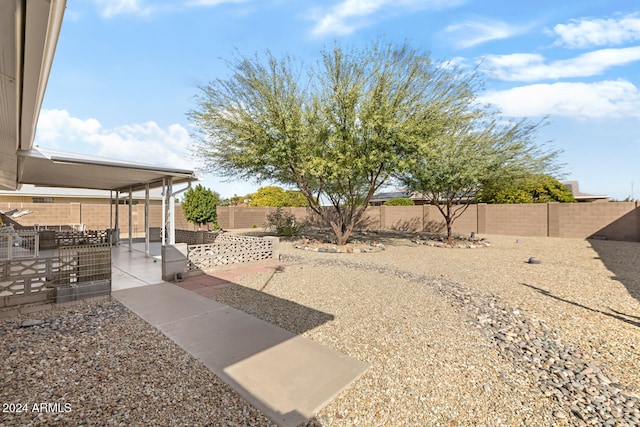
<point>613,221</point>
<point>95,216</point>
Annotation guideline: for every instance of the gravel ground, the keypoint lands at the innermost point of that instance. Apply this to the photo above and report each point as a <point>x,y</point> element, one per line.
<point>99,364</point>
<point>471,336</point>
<point>454,337</point>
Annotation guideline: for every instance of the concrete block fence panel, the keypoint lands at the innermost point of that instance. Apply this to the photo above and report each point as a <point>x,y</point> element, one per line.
<point>275,241</point>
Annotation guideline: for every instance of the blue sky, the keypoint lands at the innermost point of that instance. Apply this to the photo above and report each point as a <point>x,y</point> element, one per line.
<point>125,71</point>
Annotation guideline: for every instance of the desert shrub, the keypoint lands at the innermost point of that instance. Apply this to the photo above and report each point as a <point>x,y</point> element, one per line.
<point>283,223</point>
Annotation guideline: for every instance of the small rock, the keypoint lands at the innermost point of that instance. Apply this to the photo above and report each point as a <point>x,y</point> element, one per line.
<point>31,322</point>
<point>560,415</point>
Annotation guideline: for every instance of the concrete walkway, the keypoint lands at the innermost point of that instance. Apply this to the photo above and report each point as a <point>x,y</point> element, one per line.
<point>286,376</point>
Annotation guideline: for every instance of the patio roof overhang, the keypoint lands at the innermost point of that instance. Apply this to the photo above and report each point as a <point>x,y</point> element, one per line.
<point>29,33</point>
<point>58,169</point>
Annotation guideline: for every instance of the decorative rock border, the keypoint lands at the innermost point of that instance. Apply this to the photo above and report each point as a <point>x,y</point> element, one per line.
<point>353,247</point>
<point>458,243</point>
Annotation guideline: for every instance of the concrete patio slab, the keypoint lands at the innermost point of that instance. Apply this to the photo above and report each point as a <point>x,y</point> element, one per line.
<point>121,279</point>
<point>288,377</point>
<point>133,269</point>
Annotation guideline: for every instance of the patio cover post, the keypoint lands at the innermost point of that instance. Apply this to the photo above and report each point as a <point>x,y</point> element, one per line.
<point>146,220</point>
<point>171,212</point>
<point>130,219</point>
<point>111,213</point>
<point>116,225</point>
<point>163,229</point>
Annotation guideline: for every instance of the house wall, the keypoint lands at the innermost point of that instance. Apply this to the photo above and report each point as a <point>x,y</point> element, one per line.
<point>95,216</point>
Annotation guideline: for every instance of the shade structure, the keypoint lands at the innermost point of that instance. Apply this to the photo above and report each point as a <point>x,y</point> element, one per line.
<point>59,169</point>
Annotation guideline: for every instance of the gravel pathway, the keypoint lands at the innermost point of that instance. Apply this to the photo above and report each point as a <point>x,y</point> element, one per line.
<point>454,337</point>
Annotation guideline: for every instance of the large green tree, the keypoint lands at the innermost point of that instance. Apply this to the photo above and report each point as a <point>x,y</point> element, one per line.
<point>199,205</point>
<point>277,197</point>
<point>535,188</point>
<point>337,129</point>
<point>473,150</point>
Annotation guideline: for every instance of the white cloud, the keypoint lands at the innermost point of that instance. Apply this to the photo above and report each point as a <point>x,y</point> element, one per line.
<point>110,8</point>
<point>605,99</point>
<point>208,3</point>
<point>532,67</point>
<point>349,15</point>
<point>474,32</point>
<point>581,33</point>
<point>143,143</point>
<point>55,125</point>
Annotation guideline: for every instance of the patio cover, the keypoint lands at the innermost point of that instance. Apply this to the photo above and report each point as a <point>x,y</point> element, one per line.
<point>29,32</point>
<point>58,169</point>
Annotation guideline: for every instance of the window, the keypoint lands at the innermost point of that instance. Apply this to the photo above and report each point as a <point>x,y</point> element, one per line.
<point>125,202</point>
<point>42,199</point>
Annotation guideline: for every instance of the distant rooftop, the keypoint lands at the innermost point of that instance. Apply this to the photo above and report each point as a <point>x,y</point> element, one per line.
<point>580,196</point>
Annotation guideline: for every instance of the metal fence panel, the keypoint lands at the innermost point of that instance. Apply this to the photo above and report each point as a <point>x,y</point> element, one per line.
<point>88,263</point>
<point>19,244</point>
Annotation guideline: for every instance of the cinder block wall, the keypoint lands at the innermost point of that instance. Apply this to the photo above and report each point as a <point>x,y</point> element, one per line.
<point>465,224</point>
<point>615,221</point>
<point>42,213</point>
<point>424,218</point>
<point>405,218</point>
<point>95,216</point>
<point>515,220</point>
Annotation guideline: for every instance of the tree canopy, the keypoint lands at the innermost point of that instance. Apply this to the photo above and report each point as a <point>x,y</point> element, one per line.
<point>277,197</point>
<point>199,205</point>
<point>535,188</point>
<point>473,150</point>
<point>337,130</point>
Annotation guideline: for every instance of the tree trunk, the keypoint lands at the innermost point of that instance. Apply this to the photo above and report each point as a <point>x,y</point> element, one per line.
<point>448,219</point>
<point>342,232</point>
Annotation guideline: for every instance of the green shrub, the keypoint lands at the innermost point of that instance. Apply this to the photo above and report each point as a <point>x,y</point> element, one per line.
<point>399,201</point>
<point>283,223</point>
